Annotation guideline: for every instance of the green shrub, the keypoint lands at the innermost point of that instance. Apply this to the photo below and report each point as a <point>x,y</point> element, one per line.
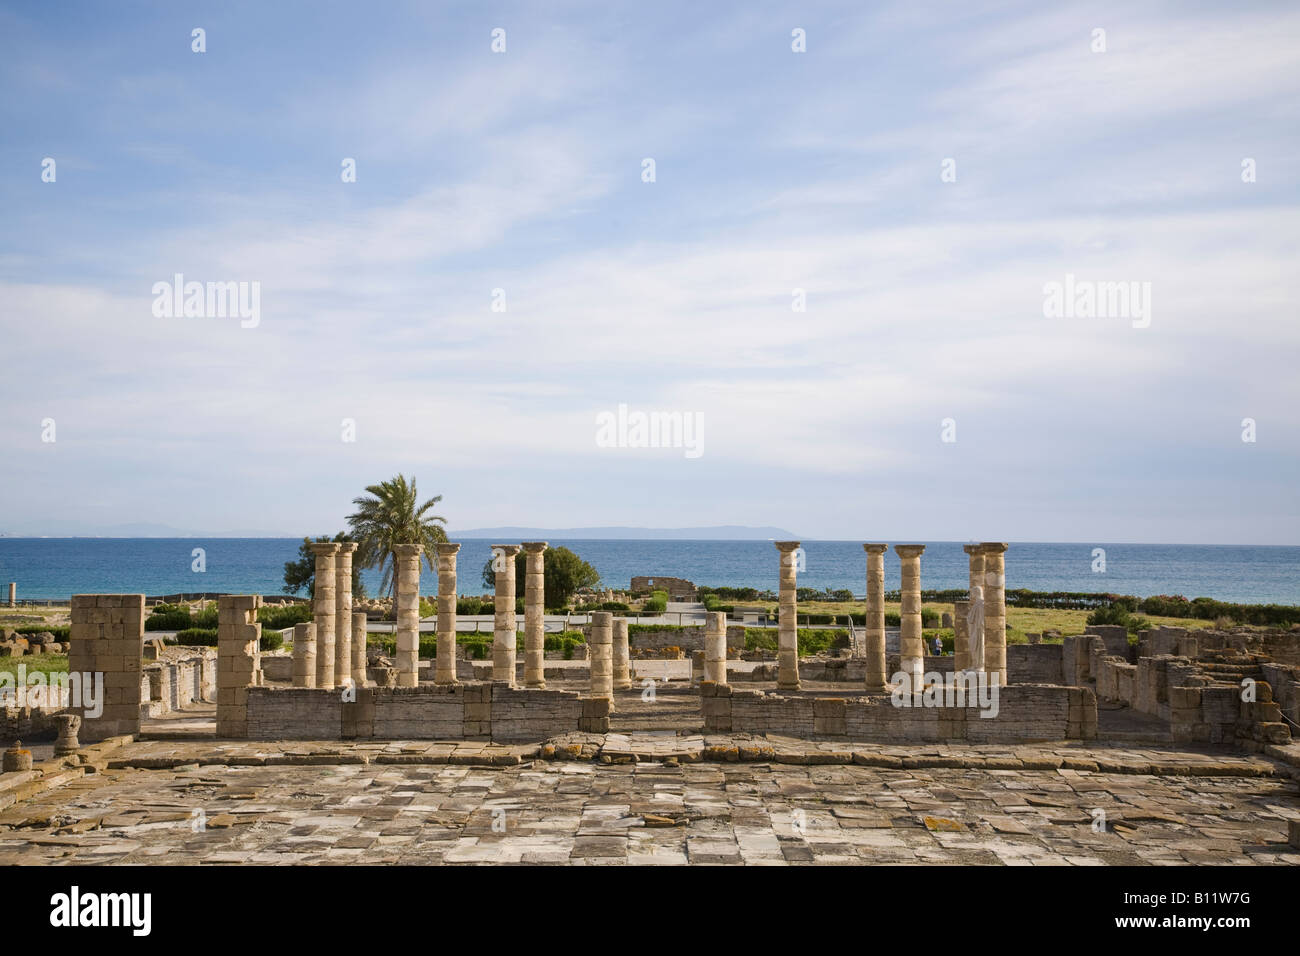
<point>654,606</point>
<point>61,632</point>
<point>271,641</point>
<point>893,619</point>
<point>198,636</point>
<point>168,617</point>
<point>205,617</point>
<point>929,617</point>
<point>279,618</point>
<point>472,606</point>
<point>615,606</point>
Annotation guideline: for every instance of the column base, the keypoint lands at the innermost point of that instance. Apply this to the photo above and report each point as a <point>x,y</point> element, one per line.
<point>787,686</point>
<point>877,689</point>
<point>535,684</point>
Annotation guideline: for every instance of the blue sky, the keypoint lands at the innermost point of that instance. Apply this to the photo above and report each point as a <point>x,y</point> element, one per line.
<point>775,170</point>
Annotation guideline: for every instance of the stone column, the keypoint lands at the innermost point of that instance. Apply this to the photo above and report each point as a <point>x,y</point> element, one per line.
<point>323,609</point>
<point>961,629</point>
<point>304,655</point>
<point>13,593</point>
<point>359,660</point>
<point>506,634</point>
<point>406,557</point>
<point>444,669</point>
<point>715,646</point>
<point>343,614</point>
<point>600,645</point>
<point>911,647</point>
<point>995,609</point>
<point>877,681</point>
<point>787,632</point>
<point>535,614</point>
<point>622,656</point>
<point>239,660</point>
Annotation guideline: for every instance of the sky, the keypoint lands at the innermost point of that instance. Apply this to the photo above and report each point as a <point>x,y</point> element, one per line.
<point>504,274</point>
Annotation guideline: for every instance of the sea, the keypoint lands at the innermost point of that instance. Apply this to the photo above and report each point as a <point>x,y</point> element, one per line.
<point>56,568</point>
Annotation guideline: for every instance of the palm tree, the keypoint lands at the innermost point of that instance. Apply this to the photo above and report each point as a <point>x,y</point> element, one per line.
<point>389,515</point>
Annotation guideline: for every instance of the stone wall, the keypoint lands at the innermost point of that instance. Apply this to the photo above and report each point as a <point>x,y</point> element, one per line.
<point>1034,664</point>
<point>1026,712</point>
<point>178,681</point>
<point>107,636</point>
<point>679,589</point>
<point>687,638</point>
<point>481,710</point>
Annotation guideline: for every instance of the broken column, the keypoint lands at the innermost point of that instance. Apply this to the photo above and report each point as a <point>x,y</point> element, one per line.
<point>601,655</point>
<point>535,614</point>
<point>239,660</point>
<point>622,656</point>
<point>877,680</point>
<point>444,668</point>
<point>505,635</point>
<point>715,646</point>
<point>323,609</point>
<point>406,558</point>
<point>787,632</point>
<point>13,593</point>
<point>343,614</point>
<point>962,659</point>
<point>359,637</point>
<point>995,609</point>
<point>304,655</point>
<point>106,638</point>
<point>911,646</point>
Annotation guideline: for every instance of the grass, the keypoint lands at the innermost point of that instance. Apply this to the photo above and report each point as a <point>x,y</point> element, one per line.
<point>45,663</point>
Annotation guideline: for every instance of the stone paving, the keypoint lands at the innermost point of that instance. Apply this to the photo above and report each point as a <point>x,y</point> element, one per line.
<point>655,802</point>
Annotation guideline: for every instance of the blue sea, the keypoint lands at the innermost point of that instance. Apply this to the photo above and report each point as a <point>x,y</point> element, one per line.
<point>59,567</point>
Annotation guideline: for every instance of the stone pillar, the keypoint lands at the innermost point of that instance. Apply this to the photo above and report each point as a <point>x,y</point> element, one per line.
<point>535,615</point>
<point>506,625</point>
<point>13,593</point>
<point>715,646</point>
<point>359,659</point>
<point>106,638</point>
<point>961,636</point>
<point>911,647</point>
<point>343,614</point>
<point>323,608</point>
<point>787,631</point>
<point>304,655</point>
<point>622,656</point>
<point>995,610</point>
<point>877,680</point>
<point>600,645</point>
<point>962,659</point>
<point>406,558</point>
<point>444,668</point>
<point>239,659</point>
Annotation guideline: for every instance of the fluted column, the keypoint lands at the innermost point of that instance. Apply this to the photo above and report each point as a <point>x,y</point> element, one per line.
<point>444,671</point>
<point>911,646</point>
<point>787,633</point>
<point>995,609</point>
<point>304,655</point>
<point>715,646</point>
<point>535,614</point>
<point>622,655</point>
<point>407,559</point>
<point>359,660</point>
<point>343,614</point>
<point>323,608</point>
<point>506,634</point>
<point>600,646</point>
<point>877,680</point>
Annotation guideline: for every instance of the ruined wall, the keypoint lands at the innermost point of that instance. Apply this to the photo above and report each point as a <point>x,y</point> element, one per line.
<point>679,589</point>
<point>1034,664</point>
<point>107,636</point>
<point>1026,712</point>
<point>687,638</point>
<point>176,682</point>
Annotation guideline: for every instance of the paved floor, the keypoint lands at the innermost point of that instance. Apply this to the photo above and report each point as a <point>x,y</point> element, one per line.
<point>650,813</point>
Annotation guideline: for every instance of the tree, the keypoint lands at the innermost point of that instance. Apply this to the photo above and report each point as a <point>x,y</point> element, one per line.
<point>301,574</point>
<point>391,515</point>
<point>566,574</point>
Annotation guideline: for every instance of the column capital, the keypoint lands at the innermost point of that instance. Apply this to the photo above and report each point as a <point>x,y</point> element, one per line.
<point>447,547</point>
<point>347,547</point>
<point>993,547</point>
<point>408,550</point>
<point>909,550</point>
<point>510,549</point>
<point>972,549</point>
<point>321,548</point>
<point>875,548</point>
<point>534,547</point>
<point>786,547</point>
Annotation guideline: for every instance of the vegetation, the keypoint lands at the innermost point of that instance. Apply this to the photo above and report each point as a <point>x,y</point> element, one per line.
<point>300,575</point>
<point>388,515</point>
<point>34,663</point>
<point>565,572</point>
<point>811,640</point>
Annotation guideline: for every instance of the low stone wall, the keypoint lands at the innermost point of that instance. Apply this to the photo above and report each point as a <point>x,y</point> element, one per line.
<point>478,710</point>
<point>176,682</point>
<point>1034,664</point>
<point>1026,712</point>
<point>687,638</point>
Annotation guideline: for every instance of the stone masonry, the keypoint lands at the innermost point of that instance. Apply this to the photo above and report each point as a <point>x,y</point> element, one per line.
<point>444,670</point>
<point>343,615</point>
<point>911,645</point>
<point>324,608</point>
<point>535,614</point>
<point>961,629</point>
<point>715,647</point>
<point>505,636</point>
<point>406,557</point>
<point>995,609</point>
<point>107,637</point>
<point>622,655</point>
<point>304,655</point>
<point>873,649</point>
<point>601,650</point>
<point>787,638</point>
<point>238,660</point>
